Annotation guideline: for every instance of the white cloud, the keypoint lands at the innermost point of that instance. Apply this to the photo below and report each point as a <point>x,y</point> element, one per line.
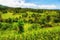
<point>47,7</point>
<point>21,3</point>
<point>8,3</point>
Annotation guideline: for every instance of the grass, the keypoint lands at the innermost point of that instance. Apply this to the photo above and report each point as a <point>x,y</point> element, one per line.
<point>10,15</point>
<point>34,32</point>
<point>40,34</point>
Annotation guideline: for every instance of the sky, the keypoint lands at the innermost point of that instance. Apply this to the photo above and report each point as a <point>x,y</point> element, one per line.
<point>40,4</point>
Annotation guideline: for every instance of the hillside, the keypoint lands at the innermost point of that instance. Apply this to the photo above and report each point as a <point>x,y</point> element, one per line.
<point>29,24</point>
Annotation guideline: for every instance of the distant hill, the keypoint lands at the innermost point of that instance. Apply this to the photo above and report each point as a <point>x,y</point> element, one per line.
<point>18,9</point>
<point>1,6</point>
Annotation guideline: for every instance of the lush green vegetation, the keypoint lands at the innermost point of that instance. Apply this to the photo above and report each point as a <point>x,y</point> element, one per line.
<point>29,24</point>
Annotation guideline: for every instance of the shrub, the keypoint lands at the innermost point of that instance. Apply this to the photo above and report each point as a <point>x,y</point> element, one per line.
<point>5,26</point>
<point>9,20</point>
<point>34,27</point>
<point>21,26</point>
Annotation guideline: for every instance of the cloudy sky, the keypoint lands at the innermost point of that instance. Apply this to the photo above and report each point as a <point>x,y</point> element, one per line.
<point>41,4</point>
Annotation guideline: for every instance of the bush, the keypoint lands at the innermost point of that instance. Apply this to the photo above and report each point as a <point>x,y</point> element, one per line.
<point>21,26</point>
<point>9,20</point>
<point>34,27</point>
<point>5,26</point>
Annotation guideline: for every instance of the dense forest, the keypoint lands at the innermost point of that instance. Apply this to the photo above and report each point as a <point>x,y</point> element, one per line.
<point>29,24</point>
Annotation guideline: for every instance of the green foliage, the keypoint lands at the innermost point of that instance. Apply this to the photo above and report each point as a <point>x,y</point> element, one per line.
<point>21,26</point>
<point>34,27</point>
<point>29,24</point>
<point>5,26</point>
<point>43,34</point>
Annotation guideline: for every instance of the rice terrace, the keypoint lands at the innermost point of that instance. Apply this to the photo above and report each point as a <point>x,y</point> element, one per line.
<point>18,23</point>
